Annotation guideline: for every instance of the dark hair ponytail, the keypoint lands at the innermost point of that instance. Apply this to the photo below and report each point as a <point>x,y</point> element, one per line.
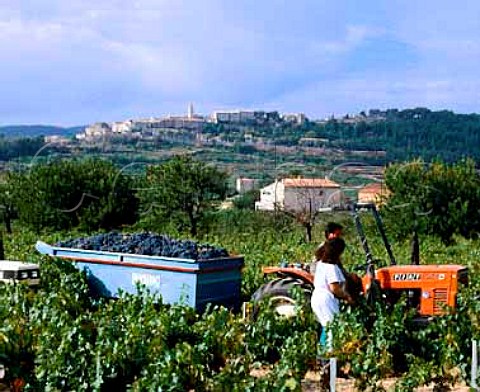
<point>333,249</point>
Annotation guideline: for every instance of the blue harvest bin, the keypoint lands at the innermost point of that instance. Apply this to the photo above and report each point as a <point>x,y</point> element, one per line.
<point>183,281</point>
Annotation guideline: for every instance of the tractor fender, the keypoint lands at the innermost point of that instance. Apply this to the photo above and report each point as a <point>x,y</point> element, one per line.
<point>293,272</point>
<point>355,284</point>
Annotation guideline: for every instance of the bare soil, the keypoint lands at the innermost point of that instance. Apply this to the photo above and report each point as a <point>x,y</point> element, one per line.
<point>311,384</point>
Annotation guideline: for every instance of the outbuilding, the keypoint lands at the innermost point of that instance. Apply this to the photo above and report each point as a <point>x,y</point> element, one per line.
<point>300,195</point>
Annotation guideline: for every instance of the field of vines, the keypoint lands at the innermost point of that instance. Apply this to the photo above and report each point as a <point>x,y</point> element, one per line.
<point>58,338</point>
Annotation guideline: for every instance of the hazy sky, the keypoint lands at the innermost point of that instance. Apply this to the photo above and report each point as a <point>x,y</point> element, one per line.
<point>79,61</point>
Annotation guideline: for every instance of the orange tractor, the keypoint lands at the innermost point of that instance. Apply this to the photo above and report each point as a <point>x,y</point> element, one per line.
<point>429,289</point>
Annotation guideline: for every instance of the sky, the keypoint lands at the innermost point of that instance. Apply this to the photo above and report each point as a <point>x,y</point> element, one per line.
<point>80,61</point>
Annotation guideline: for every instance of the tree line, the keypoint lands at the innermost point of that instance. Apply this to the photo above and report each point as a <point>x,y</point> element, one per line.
<point>438,198</point>
<point>94,194</point>
<point>11,148</point>
<point>403,134</point>
<point>408,134</point>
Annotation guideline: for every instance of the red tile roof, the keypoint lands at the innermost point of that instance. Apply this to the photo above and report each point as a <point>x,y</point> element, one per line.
<point>375,187</point>
<point>309,183</point>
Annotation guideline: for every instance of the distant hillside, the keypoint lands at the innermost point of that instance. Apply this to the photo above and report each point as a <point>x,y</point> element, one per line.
<point>37,130</point>
<point>411,133</point>
<point>397,135</point>
<point>402,134</point>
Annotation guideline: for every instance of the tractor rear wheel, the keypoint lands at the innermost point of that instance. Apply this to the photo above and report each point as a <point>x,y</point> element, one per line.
<point>280,295</point>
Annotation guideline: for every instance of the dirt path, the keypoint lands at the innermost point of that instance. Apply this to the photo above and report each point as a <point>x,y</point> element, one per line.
<point>311,384</point>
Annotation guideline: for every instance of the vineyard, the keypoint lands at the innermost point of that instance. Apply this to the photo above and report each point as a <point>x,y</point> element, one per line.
<point>60,339</point>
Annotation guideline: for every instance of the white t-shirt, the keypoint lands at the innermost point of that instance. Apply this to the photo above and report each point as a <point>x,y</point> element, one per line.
<point>324,304</point>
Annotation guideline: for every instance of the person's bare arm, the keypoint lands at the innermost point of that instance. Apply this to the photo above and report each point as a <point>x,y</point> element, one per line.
<point>338,291</point>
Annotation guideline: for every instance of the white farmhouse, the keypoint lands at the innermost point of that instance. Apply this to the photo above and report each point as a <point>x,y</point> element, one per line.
<point>300,195</point>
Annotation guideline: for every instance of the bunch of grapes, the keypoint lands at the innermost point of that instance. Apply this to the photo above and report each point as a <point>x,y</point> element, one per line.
<point>146,243</point>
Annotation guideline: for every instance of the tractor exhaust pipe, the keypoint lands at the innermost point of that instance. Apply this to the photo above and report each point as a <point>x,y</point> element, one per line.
<point>415,258</point>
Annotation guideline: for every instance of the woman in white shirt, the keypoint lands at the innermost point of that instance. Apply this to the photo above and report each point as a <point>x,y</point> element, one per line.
<point>329,286</point>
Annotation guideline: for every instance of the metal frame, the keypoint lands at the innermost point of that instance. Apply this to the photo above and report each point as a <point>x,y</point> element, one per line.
<point>380,226</point>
